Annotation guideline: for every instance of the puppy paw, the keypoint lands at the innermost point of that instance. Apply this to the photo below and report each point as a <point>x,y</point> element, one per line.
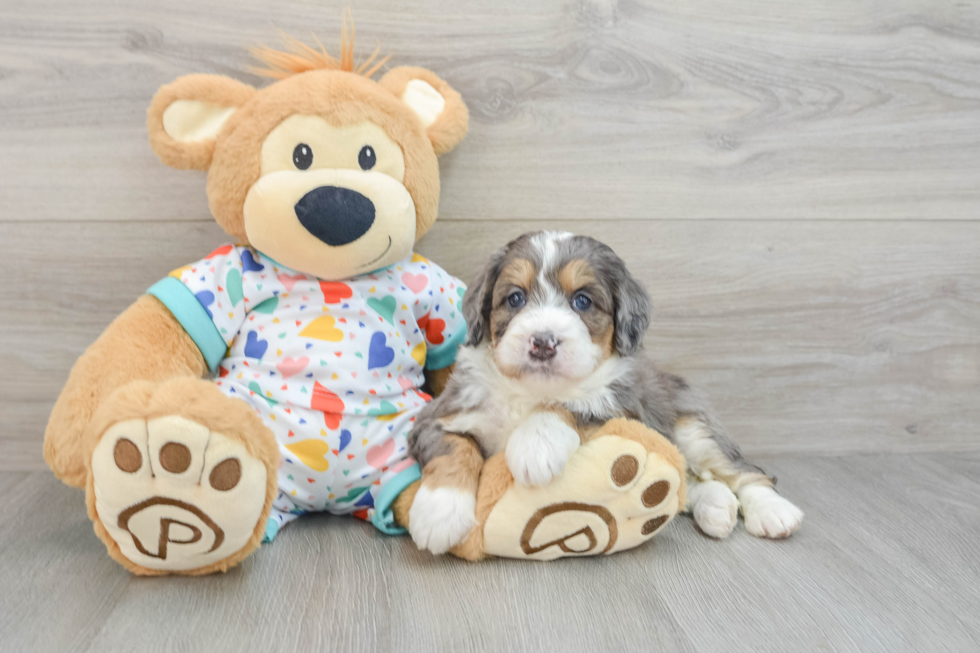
<point>440,518</point>
<point>539,449</point>
<point>769,515</point>
<point>715,508</point>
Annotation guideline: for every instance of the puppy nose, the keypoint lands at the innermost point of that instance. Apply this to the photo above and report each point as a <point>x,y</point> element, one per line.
<point>335,215</point>
<point>543,346</point>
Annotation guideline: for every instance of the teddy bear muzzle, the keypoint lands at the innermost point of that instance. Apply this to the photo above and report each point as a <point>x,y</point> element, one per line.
<point>330,223</point>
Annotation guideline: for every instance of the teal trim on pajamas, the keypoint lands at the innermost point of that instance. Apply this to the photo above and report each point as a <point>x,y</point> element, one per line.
<point>271,530</point>
<point>180,301</point>
<point>384,518</point>
<point>444,355</point>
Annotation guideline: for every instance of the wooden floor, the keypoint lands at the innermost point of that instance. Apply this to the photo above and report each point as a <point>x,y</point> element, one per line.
<point>887,561</point>
<point>797,185</point>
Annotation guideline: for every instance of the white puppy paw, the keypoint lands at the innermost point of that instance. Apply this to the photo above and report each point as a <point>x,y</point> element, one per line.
<point>539,448</point>
<point>767,514</point>
<point>441,518</point>
<point>715,508</point>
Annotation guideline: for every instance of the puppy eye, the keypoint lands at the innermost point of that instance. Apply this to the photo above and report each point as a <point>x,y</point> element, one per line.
<point>302,156</point>
<point>366,158</point>
<point>515,299</point>
<point>581,303</point>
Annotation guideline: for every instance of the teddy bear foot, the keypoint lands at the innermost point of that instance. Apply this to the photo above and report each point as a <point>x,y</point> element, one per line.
<point>168,494</point>
<point>618,490</point>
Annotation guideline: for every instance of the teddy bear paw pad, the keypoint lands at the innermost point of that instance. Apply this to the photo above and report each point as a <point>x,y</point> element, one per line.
<point>613,495</point>
<point>175,496</point>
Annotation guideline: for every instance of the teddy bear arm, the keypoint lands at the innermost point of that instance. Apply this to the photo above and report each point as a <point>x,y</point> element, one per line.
<point>145,342</point>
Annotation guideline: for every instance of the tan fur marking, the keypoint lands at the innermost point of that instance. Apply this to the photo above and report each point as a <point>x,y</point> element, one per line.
<point>495,480</point>
<point>459,469</point>
<point>575,275</point>
<point>605,340</point>
<point>706,461</point>
<point>517,273</point>
<point>569,418</point>
<point>403,503</point>
<point>438,379</point>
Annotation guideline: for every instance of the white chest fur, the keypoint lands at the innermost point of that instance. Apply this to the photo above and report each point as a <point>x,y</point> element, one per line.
<point>493,405</point>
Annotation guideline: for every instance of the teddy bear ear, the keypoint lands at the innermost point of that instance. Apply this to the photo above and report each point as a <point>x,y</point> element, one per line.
<point>437,105</point>
<point>186,116</point>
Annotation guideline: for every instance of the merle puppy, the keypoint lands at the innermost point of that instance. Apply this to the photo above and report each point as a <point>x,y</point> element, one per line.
<point>554,348</point>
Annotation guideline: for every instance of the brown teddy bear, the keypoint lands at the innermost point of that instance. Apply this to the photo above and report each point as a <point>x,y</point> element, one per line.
<point>281,375</point>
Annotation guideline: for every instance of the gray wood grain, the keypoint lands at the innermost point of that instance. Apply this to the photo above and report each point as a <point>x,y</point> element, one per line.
<point>581,110</point>
<point>797,187</point>
<point>808,336</point>
<point>886,561</point>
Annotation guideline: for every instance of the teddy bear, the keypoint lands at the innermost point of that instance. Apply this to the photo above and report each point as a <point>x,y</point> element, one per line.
<point>280,374</point>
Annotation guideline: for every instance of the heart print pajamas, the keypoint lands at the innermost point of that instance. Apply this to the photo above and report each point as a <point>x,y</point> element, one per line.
<point>333,368</point>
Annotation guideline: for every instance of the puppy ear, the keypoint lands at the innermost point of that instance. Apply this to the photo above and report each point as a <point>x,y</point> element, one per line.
<point>437,105</point>
<point>186,116</point>
<point>478,300</point>
<point>633,308</point>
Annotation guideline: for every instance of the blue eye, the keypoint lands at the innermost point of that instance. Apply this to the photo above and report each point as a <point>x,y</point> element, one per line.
<point>515,299</point>
<point>581,303</point>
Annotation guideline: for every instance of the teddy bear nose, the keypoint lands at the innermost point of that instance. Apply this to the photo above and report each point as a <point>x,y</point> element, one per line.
<point>335,215</point>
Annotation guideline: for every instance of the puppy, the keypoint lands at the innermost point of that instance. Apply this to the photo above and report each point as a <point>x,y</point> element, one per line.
<point>554,348</point>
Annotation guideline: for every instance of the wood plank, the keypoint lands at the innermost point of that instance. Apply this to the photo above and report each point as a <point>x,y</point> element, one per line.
<point>884,562</point>
<point>589,111</point>
<point>816,337</point>
<point>51,560</point>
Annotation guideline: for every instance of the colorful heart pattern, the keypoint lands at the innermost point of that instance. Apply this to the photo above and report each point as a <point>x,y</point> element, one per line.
<point>332,368</point>
<point>323,328</point>
<point>291,366</point>
<point>328,403</point>
<point>206,298</point>
<point>434,328</point>
<point>380,354</point>
<point>334,292</point>
<point>255,348</point>
<point>378,455</point>
<point>233,282</point>
<point>249,263</point>
<point>289,280</point>
<point>384,307</point>
<point>415,282</point>
<point>312,453</point>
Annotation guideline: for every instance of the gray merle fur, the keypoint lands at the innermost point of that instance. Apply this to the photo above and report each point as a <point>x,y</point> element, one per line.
<point>656,398</point>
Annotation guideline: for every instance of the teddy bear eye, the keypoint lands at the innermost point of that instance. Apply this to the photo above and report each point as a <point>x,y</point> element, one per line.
<point>302,156</point>
<point>366,158</point>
